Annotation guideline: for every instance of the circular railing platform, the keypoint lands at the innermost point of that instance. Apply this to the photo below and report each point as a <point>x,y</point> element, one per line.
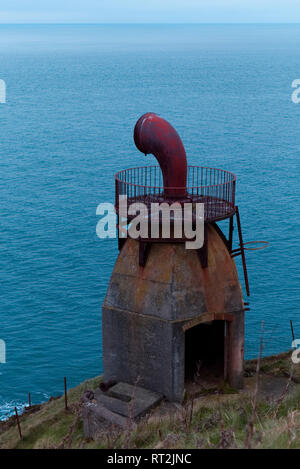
<point>213,187</point>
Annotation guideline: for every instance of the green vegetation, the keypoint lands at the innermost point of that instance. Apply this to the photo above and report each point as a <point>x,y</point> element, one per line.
<point>215,420</point>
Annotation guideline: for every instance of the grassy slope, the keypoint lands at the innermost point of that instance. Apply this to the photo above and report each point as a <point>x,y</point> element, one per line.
<point>212,421</point>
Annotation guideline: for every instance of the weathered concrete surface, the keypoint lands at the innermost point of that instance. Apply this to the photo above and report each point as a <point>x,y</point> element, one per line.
<point>139,348</point>
<point>95,416</point>
<point>120,406</point>
<point>127,400</point>
<point>173,285</point>
<point>145,311</point>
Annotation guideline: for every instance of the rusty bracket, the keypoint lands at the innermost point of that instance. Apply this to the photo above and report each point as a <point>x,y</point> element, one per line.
<point>121,242</point>
<point>144,249</point>
<point>203,252</point>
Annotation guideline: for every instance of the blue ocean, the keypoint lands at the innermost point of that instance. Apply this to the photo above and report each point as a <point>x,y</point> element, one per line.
<point>74,93</point>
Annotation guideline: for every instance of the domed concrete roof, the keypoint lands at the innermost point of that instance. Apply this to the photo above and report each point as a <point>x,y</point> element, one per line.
<point>173,285</point>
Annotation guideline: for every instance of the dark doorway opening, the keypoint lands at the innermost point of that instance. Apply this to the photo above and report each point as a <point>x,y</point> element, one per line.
<point>204,353</point>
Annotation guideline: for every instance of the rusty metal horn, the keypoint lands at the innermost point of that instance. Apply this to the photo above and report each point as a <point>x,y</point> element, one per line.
<point>153,134</point>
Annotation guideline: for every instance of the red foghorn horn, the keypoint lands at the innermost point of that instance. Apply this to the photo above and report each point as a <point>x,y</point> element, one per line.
<point>152,134</point>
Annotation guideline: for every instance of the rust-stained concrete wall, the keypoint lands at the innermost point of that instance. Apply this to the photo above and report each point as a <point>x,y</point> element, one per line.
<point>146,309</point>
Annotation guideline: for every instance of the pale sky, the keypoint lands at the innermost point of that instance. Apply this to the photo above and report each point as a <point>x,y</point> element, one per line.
<point>148,11</point>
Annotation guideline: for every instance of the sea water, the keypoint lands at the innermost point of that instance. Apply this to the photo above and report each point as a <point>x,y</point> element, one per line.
<point>73,95</point>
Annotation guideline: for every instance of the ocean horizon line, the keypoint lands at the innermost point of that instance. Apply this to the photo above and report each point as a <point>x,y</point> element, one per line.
<point>36,23</point>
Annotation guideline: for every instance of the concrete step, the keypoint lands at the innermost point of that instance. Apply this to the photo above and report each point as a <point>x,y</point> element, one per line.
<point>121,405</point>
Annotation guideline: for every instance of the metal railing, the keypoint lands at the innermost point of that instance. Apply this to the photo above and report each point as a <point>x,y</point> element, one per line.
<point>213,187</point>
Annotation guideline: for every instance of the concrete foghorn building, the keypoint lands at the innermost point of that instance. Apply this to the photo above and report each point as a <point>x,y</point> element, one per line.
<point>174,317</point>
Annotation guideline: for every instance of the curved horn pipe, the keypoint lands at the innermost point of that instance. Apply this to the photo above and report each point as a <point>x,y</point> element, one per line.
<point>152,134</point>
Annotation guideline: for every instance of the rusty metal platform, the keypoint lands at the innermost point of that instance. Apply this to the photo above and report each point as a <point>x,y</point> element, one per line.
<point>213,187</point>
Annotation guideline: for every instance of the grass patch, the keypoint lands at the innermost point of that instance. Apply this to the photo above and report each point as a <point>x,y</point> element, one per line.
<point>222,420</point>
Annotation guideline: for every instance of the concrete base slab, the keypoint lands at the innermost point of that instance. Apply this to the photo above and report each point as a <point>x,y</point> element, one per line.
<point>121,405</point>
<point>95,416</point>
<point>127,400</point>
